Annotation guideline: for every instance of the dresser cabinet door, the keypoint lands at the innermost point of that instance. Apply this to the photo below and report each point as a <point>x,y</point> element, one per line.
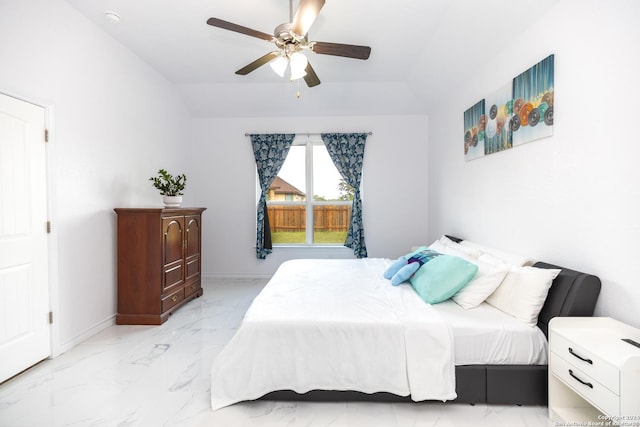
<point>192,246</point>
<point>172,252</point>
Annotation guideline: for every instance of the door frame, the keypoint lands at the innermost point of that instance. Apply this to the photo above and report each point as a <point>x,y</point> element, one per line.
<point>54,305</point>
<point>52,240</point>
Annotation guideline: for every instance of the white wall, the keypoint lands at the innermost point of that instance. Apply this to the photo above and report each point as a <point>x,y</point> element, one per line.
<point>224,180</point>
<point>116,123</point>
<point>572,199</point>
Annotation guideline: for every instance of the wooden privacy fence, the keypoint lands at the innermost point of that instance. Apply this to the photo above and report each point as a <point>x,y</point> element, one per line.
<point>325,218</point>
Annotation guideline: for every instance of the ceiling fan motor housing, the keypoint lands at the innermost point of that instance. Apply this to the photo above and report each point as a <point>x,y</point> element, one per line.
<point>285,35</point>
<point>283,32</point>
<point>287,40</point>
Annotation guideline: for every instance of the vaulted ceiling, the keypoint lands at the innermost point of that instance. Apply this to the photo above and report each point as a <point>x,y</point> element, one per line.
<point>419,49</point>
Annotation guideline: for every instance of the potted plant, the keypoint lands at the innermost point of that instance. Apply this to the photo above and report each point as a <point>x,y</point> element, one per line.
<point>170,187</point>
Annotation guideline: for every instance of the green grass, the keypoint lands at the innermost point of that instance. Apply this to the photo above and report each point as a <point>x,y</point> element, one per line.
<point>298,237</point>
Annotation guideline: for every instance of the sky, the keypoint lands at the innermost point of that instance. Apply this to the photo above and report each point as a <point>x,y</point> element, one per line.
<point>326,176</point>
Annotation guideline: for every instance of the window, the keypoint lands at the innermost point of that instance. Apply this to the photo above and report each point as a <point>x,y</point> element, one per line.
<point>308,170</point>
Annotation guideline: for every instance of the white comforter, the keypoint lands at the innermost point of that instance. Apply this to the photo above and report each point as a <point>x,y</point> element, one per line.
<point>336,325</point>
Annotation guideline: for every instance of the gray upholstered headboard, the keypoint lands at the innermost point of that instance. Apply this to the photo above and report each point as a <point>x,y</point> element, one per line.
<point>572,293</point>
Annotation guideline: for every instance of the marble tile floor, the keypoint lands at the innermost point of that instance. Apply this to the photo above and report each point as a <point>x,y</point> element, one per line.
<point>152,376</point>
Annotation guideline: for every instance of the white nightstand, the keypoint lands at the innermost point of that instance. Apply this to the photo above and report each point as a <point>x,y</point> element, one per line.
<point>593,374</point>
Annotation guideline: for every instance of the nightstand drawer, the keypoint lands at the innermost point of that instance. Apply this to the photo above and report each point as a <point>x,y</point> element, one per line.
<point>586,361</point>
<point>594,392</point>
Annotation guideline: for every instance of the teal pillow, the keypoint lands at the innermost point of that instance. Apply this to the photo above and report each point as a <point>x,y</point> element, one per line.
<point>441,277</point>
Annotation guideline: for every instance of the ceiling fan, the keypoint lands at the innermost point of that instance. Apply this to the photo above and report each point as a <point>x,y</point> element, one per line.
<point>291,39</point>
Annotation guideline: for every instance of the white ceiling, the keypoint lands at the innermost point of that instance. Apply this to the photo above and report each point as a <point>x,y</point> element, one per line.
<point>419,48</point>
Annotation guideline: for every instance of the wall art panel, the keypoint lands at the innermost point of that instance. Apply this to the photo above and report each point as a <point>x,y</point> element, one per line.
<point>520,111</point>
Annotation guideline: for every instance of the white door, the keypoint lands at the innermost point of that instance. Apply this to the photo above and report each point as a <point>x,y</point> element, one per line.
<point>24,287</point>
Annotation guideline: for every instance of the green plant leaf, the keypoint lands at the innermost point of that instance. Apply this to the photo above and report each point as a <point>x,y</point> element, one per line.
<point>169,185</point>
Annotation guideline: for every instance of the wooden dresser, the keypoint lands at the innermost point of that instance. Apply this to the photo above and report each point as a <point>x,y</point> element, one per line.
<point>158,262</point>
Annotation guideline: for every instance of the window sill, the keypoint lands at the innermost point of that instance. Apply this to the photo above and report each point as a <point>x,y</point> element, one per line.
<point>311,247</point>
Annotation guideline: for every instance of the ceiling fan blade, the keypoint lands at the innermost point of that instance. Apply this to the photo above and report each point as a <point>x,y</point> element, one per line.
<point>338,49</point>
<point>311,79</point>
<point>306,13</point>
<point>257,63</point>
<point>215,22</point>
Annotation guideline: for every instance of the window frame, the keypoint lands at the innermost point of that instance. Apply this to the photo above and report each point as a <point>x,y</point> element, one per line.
<point>309,141</point>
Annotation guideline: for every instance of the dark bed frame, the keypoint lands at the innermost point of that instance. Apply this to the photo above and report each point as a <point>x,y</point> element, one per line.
<point>572,293</point>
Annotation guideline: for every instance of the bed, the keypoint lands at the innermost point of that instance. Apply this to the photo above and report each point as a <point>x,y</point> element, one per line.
<point>337,330</point>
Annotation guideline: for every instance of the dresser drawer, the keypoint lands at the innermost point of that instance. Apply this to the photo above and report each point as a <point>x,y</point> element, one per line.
<point>587,387</point>
<point>191,288</point>
<point>586,361</point>
<point>172,299</point>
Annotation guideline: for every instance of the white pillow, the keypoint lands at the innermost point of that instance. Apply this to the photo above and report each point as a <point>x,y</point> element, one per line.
<point>486,280</point>
<point>447,246</point>
<point>483,284</point>
<point>523,292</point>
<point>505,257</point>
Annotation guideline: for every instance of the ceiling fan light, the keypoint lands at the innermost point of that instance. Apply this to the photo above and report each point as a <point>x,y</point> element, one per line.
<point>279,65</point>
<point>298,65</point>
<point>295,75</point>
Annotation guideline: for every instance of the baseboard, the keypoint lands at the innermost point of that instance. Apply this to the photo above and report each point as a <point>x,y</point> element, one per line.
<point>206,276</point>
<point>87,333</point>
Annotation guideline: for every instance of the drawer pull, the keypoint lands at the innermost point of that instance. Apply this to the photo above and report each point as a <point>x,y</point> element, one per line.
<point>589,361</point>
<point>174,298</point>
<point>579,380</point>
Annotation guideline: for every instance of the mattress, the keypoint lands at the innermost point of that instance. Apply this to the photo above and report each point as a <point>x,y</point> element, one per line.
<point>336,325</point>
<point>486,336</point>
<point>339,325</point>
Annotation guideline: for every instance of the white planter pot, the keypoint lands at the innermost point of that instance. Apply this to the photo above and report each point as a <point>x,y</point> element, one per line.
<point>172,201</point>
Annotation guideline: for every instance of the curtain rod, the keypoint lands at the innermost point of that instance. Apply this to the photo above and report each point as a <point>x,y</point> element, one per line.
<point>316,134</point>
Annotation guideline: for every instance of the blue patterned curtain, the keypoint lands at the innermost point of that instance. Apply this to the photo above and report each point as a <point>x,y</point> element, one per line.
<point>270,151</point>
<point>347,152</point>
